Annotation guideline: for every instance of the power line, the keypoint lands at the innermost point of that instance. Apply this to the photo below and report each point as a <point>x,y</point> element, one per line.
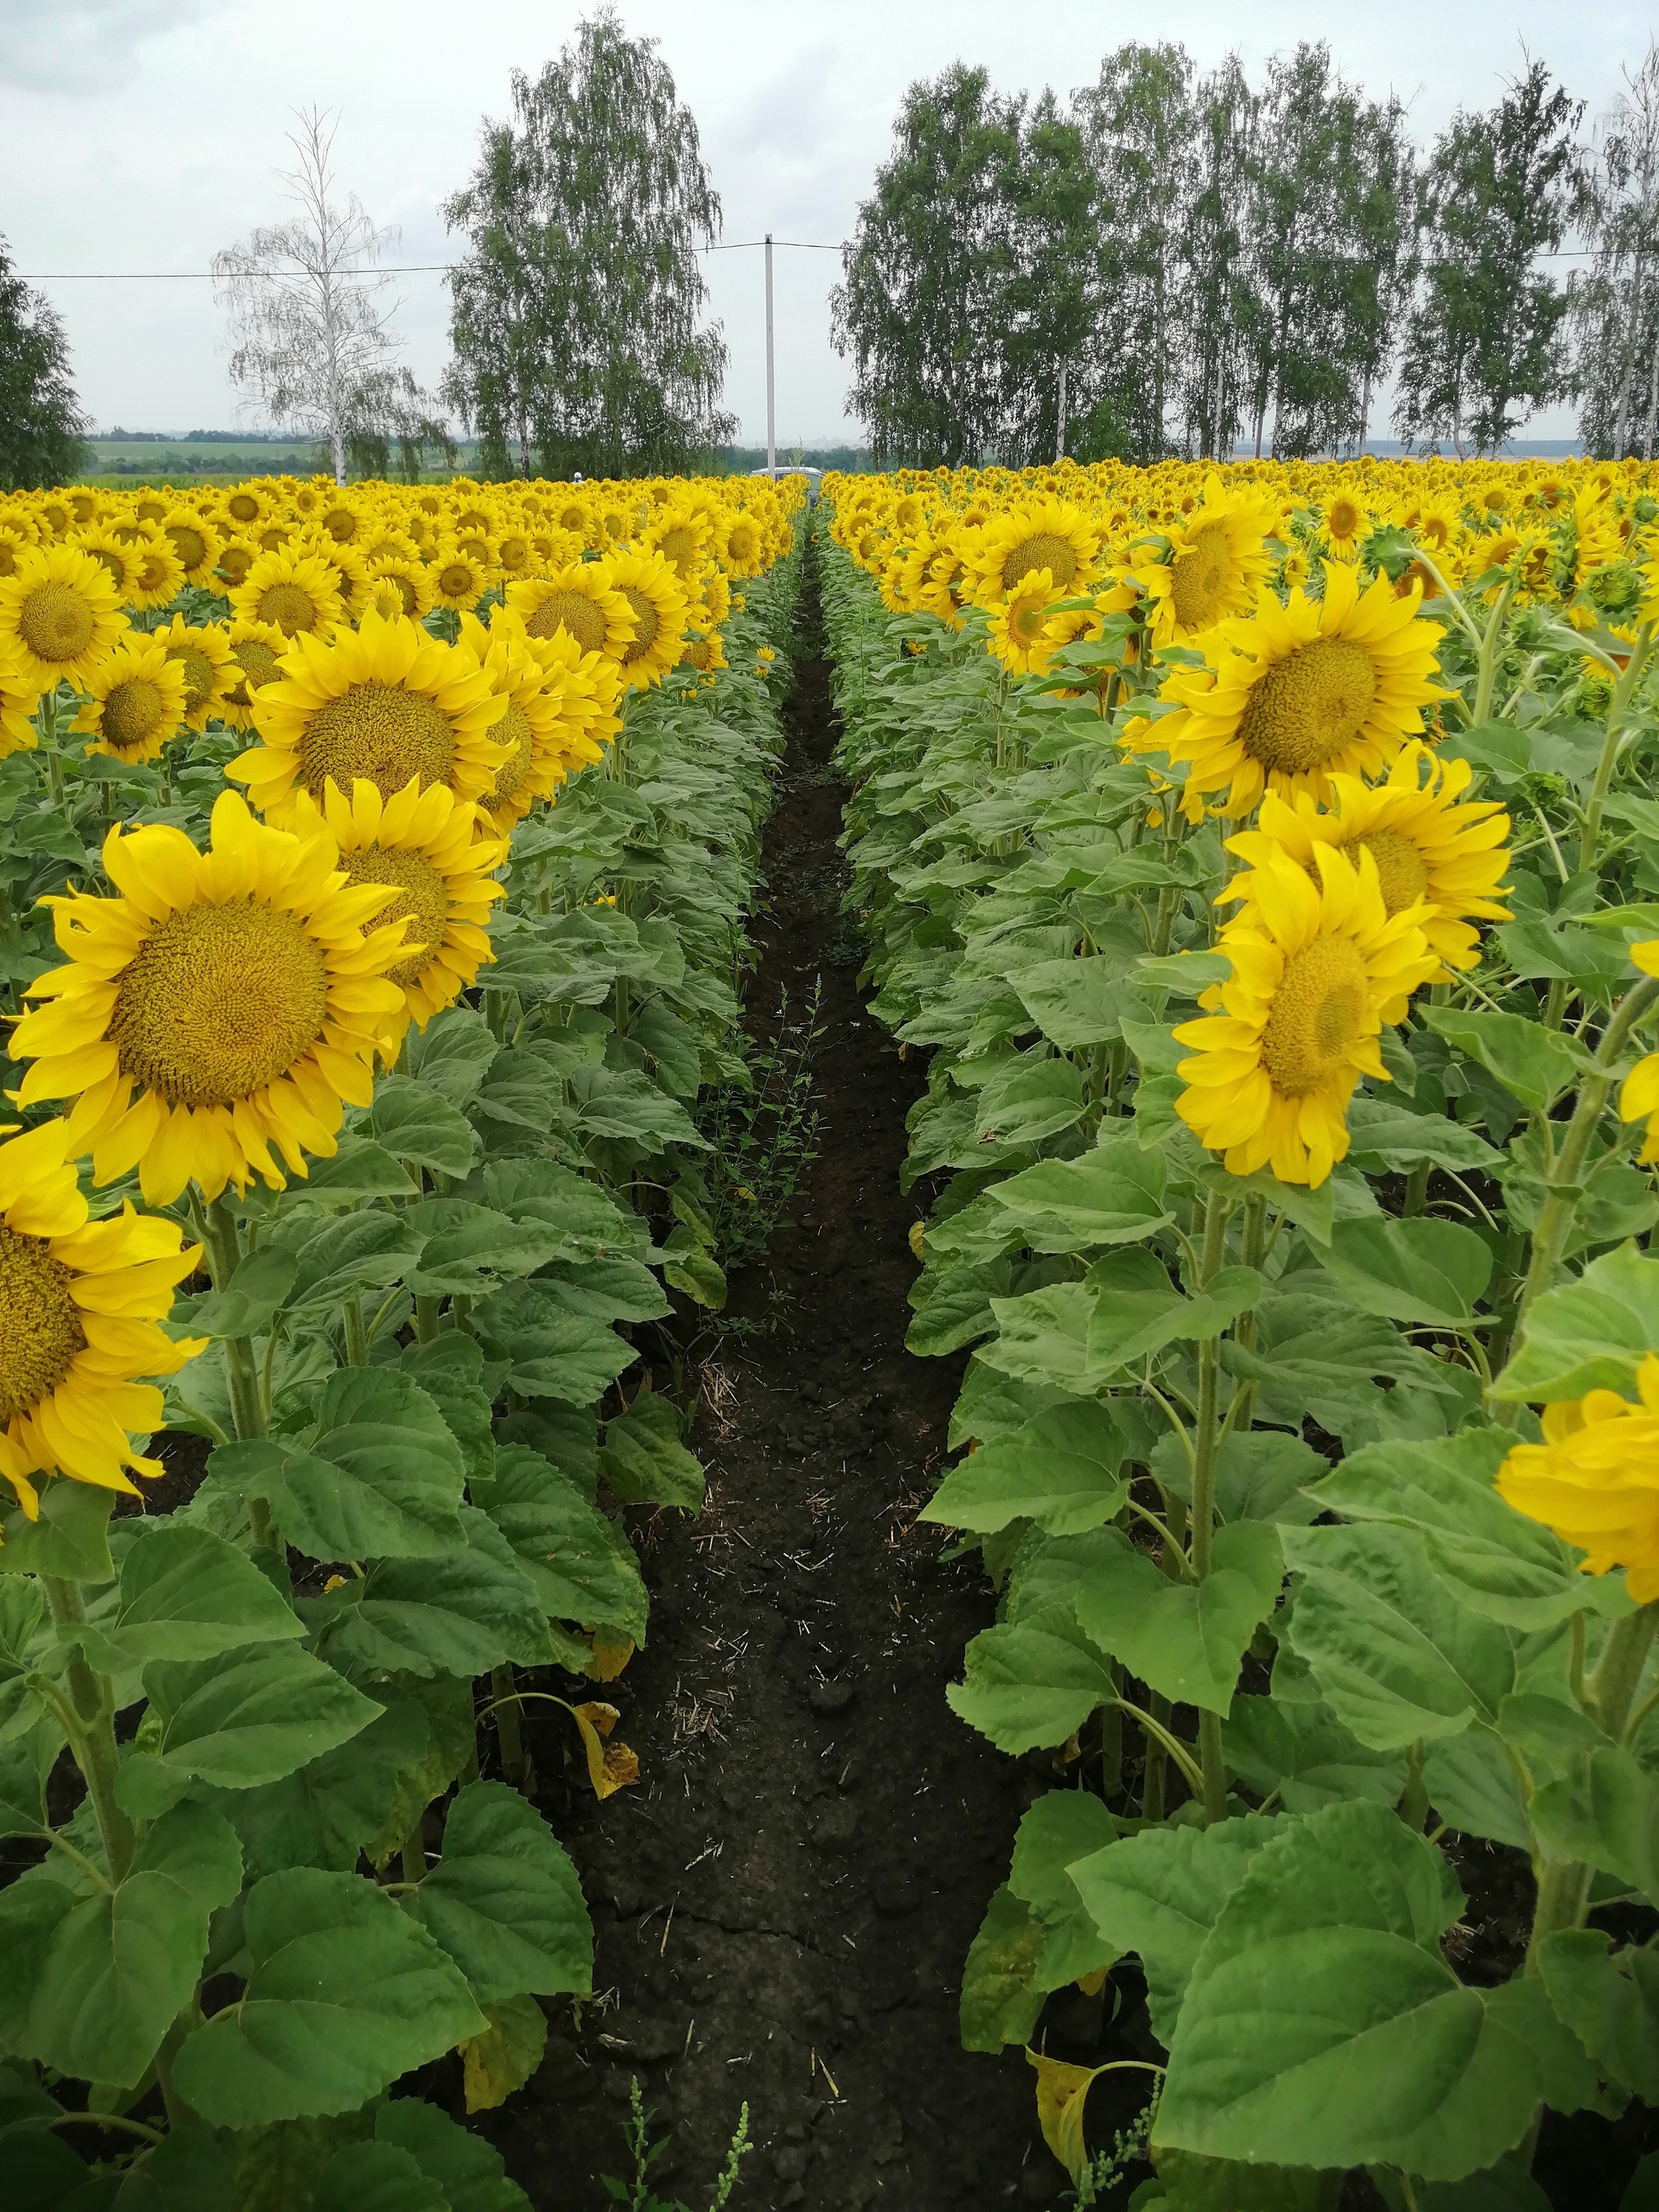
<point>386,269</point>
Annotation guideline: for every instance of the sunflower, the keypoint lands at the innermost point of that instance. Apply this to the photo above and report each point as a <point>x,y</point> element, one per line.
<point>545,737</point>
<point>439,857</point>
<point>1347,523</point>
<point>159,574</point>
<point>349,567</point>
<point>119,557</point>
<point>203,652</point>
<point>1034,534</point>
<point>580,600</point>
<point>342,520</point>
<point>386,701</point>
<point>134,701</point>
<point>81,1305</point>
<point>652,591</point>
<point>515,553</point>
<point>246,507</point>
<point>257,650</point>
<point>1638,1101</point>
<point>1427,841</point>
<point>1315,967</point>
<point>17,702</point>
<point>1594,1480</point>
<point>1216,564</point>
<point>1300,693</point>
<point>703,651</point>
<point>400,584</point>
<point>456,578</point>
<point>195,543</point>
<point>1024,634</point>
<point>680,536</point>
<point>226,1002</point>
<point>298,592</point>
<point>236,557</point>
<point>59,615</point>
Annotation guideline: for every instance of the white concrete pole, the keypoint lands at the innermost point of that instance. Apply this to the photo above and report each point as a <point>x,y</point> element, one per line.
<point>771,399</point>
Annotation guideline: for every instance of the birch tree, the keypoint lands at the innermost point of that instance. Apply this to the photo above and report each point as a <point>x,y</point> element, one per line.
<point>311,310</point>
<point>1616,301</point>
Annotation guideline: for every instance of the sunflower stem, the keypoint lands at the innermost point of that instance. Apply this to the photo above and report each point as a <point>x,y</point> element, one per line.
<point>93,1742</point>
<point>509,1734</point>
<point>1565,1187</point>
<point>1623,691</point>
<point>1205,1449</point>
<point>1486,660</point>
<point>1417,1189</point>
<point>425,1320</point>
<point>356,1340</point>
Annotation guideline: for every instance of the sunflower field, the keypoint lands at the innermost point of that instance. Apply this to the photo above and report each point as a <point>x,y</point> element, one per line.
<point>1267,862</point>
<point>373,872</point>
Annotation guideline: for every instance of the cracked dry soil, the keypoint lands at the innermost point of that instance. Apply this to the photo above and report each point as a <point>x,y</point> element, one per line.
<point>783,1903</point>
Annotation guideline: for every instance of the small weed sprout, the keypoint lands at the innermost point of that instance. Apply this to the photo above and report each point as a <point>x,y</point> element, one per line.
<point>766,1138</point>
<point>638,2196</point>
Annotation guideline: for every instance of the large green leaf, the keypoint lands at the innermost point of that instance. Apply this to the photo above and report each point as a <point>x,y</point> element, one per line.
<point>1605,1811</point>
<point>249,1300</point>
<point>95,1978</point>
<point>1305,1754</point>
<point>580,1565</point>
<point>335,1804</point>
<point>1610,2000</point>
<point>1500,1564</point>
<point>358,1252</point>
<point>1329,1949</point>
<point>382,1478</point>
<point>245,1717</point>
<point>453,1053</point>
<point>70,1537</point>
<point>644,1458</point>
<point>1113,1195</point>
<point>1379,1128</point>
<point>416,1123</point>
<point>504,1900</point>
<point>466,1246</point>
<point>344,1993</point>
<point>450,1370</point>
<point>1043,1337</point>
<point>1063,1826</point>
<point>1000,1996</point>
<point>1137,1309</point>
<point>460,1615</point>
<point>1159,1894</point>
<point>551,1353</point>
<point>1031,1682</point>
<point>1396,1656</point>
<point>1183,1639</point>
<point>1535,1063</point>
<point>1260,1474</point>
<point>1061,1470</point>
<point>469,2170</point>
<point>184,1594</point>
<point>376,2176</point>
<point>1075,1003</point>
<point>1591,1334</point>
<point>1034,1099</point>
<point>1419,1270</point>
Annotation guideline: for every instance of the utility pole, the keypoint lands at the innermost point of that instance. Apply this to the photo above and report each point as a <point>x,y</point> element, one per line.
<point>771,402</point>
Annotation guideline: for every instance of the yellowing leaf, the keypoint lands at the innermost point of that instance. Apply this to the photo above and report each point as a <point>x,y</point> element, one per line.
<point>503,2058</point>
<point>918,1229</point>
<point>1091,1984</point>
<point>610,1655</point>
<point>1062,2092</point>
<point>611,1767</point>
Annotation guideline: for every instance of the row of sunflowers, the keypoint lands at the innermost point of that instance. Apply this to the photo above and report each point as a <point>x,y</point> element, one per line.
<point>370,910</point>
<point>1266,857</point>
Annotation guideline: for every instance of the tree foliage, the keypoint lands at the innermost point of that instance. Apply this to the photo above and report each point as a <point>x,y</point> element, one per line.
<point>1485,345</point>
<point>1614,303</point>
<point>42,426</point>
<point>311,320</point>
<point>575,315</point>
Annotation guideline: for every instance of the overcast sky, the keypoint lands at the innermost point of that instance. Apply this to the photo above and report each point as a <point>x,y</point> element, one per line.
<point>142,134</point>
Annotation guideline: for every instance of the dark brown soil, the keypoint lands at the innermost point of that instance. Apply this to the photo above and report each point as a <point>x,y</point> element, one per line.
<point>783,1903</point>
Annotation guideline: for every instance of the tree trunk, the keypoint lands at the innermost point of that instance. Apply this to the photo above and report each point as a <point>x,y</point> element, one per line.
<point>1653,407</point>
<point>524,449</point>
<point>339,443</point>
<point>1059,438</point>
<point>1621,423</point>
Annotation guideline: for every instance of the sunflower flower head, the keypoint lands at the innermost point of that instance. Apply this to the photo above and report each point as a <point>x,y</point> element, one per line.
<point>59,615</point>
<point>81,1307</point>
<point>1428,842</point>
<point>1317,962</point>
<point>384,703</point>
<point>438,856</point>
<point>221,1008</point>
<point>1299,693</point>
<point>135,699</point>
<point>1594,1480</point>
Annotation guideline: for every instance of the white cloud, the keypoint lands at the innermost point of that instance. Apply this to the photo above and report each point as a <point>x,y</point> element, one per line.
<point>85,46</point>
